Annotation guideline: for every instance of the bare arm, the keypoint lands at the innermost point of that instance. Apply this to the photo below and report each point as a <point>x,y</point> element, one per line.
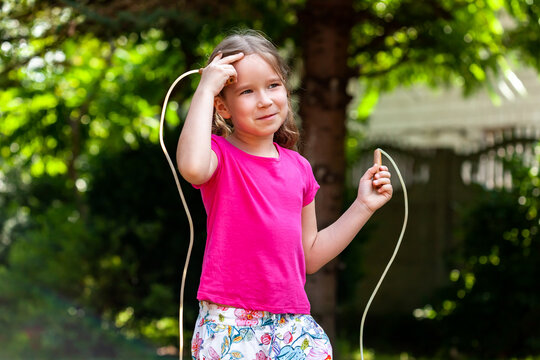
<point>320,247</point>
<point>194,156</point>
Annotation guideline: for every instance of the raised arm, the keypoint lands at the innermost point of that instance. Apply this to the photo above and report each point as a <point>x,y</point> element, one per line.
<point>194,156</point>
<point>320,247</point>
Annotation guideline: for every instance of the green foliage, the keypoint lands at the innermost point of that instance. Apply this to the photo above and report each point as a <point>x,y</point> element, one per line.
<point>45,286</point>
<point>138,222</point>
<point>83,263</point>
<point>461,43</point>
<point>490,310</point>
<point>109,276</point>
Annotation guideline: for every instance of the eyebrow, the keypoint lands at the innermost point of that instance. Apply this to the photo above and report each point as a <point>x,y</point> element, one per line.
<point>276,78</point>
<point>247,85</point>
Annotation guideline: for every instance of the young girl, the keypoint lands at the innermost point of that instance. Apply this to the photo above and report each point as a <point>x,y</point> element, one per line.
<point>237,147</point>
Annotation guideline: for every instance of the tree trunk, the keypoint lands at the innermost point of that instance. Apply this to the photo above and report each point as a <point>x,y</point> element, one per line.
<point>326,35</point>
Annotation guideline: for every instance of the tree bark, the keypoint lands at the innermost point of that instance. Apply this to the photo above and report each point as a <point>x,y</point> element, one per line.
<point>326,34</point>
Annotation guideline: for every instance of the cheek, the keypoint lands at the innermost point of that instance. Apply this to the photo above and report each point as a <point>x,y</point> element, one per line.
<point>285,104</point>
<point>237,106</point>
<point>282,99</point>
<point>244,106</point>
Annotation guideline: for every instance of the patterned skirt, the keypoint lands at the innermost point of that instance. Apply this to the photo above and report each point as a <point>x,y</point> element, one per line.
<point>232,333</point>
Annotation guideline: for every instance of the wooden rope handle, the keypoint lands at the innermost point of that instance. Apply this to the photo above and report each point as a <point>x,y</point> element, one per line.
<point>377,157</point>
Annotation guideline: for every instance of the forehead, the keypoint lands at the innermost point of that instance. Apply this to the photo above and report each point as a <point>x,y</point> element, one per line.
<point>253,66</point>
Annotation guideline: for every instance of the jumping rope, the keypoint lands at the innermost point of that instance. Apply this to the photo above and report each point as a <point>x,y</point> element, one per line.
<point>398,244</point>
<point>188,214</point>
<point>191,230</point>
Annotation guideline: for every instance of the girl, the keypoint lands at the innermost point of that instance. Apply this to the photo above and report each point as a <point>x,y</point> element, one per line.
<point>237,146</point>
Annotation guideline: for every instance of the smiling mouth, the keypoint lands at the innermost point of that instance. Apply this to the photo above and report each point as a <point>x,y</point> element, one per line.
<point>266,117</point>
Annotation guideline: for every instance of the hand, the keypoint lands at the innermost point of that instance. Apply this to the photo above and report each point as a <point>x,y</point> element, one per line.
<point>217,74</point>
<point>375,188</point>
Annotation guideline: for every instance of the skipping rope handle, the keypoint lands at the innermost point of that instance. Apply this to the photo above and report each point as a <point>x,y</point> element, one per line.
<point>377,157</point>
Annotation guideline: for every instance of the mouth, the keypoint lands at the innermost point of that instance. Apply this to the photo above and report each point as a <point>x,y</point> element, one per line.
<point>266,117</point>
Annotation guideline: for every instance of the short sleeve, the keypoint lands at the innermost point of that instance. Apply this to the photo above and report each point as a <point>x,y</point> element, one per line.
<point>311,186</point>
<point>216,148</point>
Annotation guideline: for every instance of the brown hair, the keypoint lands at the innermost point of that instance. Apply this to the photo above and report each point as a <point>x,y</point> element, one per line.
<point>253,42</point>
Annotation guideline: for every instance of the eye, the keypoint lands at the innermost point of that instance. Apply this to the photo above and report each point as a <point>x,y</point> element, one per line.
<point>247,91</point>
<point>274,85</point>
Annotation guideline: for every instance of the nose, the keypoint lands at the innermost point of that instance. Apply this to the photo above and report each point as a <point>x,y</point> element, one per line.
<point>264,100</point>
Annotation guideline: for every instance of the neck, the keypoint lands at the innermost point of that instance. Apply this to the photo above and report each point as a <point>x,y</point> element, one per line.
<point>257,146</point>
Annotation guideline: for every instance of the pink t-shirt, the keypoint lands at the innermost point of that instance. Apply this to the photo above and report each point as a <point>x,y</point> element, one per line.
<point>254,257</point>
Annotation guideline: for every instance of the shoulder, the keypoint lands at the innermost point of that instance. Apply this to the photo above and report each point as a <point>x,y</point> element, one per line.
<point>219,145</point>
<point>295,156</point>
<point>218,140</point>
<point>306,177</point>
<point>297,160</point>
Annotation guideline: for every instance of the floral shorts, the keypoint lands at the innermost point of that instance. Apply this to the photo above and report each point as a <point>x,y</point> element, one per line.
<point>233,333</point>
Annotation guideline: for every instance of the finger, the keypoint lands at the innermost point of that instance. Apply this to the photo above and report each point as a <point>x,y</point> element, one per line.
<point>232,74</point>
<point>370,172</point>
<point>232,58</point>
<point>381,182</point>
<point>383,174</point>
<point>214,61</point>
<point>217,58</point>
<point>385,189</point>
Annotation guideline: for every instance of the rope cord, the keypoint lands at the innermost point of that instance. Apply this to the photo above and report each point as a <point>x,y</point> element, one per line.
<point>188,214</point>
<point>191,230</point>
<point>406,202</point>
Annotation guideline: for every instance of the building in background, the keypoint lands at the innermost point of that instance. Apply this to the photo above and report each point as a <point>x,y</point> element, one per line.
<point>442,143</point>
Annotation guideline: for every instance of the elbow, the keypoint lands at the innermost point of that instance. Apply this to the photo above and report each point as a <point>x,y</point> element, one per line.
<point>312,268</point>
<point>312,261</point>
<point>194,167</point>
<point>190,170</point>
<point>192,174</point>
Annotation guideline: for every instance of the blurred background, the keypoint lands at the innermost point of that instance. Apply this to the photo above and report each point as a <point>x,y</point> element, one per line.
<point>93,236</point>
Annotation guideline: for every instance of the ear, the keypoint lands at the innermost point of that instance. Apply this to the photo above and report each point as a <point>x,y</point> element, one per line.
<point>221,107</point>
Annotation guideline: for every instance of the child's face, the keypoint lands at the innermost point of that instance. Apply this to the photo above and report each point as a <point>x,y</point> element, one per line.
<point>257,103</point>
